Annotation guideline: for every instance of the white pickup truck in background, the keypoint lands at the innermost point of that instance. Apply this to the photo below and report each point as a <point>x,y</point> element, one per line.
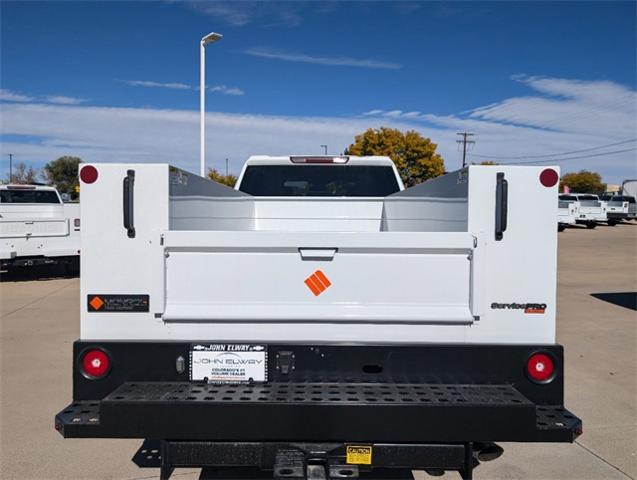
<point>617,207</point>
<point>318,321</point>
<point>37,228</point>
<point>566,214</point>
<point>591,210</point>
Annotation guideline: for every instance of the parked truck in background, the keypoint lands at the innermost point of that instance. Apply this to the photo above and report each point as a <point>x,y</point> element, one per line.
<point>318,321</point>
<point>591,210</point>
<point>566,214</point>
<point>37,228</point>
<point>617,207</point>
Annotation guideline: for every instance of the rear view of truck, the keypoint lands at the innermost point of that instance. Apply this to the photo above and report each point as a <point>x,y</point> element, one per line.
<point>37,228</point>
<point>325,324</point>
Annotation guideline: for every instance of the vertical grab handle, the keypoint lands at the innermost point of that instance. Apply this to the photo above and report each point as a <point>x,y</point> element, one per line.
<point>129,184</point>
<point>501,205</point>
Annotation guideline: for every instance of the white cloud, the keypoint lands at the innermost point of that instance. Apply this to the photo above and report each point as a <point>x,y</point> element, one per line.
<point>9,96</point>
<point>319,60</point>
<point>223,89</point>
<point>241,13</point>
<point>152,84</point>
<point>63,100</point>
<point>541,123</point>
<point>560,115</point>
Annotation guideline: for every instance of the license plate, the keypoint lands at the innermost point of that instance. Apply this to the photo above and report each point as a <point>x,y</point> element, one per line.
<point>228,363</point>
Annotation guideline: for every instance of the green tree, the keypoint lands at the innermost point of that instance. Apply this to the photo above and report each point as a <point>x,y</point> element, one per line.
<point>22,174</point>
<point>62,173</point>
<point>414,155</point>
<point>583,181</point>
<point>218,177</point>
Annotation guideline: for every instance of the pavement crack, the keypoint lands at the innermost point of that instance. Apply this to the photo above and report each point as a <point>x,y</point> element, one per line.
<point>4,315</point>
<point>604,460</point>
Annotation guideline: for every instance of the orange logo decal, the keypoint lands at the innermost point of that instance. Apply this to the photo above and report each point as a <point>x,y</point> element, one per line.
<point>96,303</point>
<point>317,282</point>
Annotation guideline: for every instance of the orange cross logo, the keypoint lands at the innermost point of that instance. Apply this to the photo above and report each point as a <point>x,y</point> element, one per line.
<point>96,303</point>
<point>317,283</point>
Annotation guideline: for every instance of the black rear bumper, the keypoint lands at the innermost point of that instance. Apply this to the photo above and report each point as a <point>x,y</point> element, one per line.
<point>319,412</point>
<point>327,393</point>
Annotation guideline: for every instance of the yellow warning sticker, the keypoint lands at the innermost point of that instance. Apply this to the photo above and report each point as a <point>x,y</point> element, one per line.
<point>358,454</point>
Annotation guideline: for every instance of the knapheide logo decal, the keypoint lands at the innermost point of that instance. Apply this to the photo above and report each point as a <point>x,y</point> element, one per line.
<point>317,283</point>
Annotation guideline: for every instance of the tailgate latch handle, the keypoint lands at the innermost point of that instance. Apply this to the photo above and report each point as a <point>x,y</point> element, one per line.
<point>324,254</point>
<point>129,184</point>
<point>501,205</point>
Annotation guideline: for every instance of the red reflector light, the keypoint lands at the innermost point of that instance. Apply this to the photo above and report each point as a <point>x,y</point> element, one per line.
<point>540,368</point>
<point>549,177</point>
<point>88,174</point>
<point>95,364</point>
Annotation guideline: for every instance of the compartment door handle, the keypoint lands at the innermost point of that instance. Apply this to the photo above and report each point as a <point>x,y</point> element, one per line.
<point>324,254</point>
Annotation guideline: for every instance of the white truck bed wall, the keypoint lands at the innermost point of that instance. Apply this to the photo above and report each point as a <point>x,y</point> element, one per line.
<point>439,205</point>
<point>211,273</point>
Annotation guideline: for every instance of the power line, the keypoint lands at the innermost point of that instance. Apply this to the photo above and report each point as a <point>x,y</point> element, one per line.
<point>555,154</point>
<point>572,158</point>
<point>465,142</point>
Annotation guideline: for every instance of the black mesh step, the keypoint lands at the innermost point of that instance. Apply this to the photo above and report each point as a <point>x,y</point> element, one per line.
<point>320,393</point>
<point>318,412</point>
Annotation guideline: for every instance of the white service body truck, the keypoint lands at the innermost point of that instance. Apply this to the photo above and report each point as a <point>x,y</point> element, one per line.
<point>318,321</point>
<point>617,207</point>
<point>566,214</point>
<point>590,211</point>
<point>37,228</point>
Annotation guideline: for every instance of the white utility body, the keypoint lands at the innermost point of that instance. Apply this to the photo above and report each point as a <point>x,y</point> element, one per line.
<point>319,318</point>
<point>36,227</point>
<point>418,265</point>
<point>591,210</point>
<point>567,213</point>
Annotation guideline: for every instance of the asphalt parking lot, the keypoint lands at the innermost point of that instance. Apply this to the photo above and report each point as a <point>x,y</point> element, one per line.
<point>39,320</point>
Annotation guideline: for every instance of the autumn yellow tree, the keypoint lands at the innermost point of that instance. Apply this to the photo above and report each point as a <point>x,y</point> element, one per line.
<point>583,181</point>
<point>414,155</point>
<point>218,177</point>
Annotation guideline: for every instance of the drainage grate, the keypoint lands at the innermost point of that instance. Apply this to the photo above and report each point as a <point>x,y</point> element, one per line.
<point>353,393</point>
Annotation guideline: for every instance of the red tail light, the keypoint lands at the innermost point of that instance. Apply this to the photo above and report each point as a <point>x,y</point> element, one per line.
<point>88,174</point>
<point>540,368</point>
<point>95,364</point>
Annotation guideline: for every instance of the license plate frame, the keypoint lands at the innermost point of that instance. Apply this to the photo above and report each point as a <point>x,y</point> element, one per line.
<point>225,363</point>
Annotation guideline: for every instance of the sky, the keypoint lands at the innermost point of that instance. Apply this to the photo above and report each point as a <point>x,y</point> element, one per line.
<point>542,82</point>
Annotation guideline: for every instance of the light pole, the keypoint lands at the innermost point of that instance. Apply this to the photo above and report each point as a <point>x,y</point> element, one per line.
<point>210,38</point>
<point>10,167</point>
<point>324,147</point>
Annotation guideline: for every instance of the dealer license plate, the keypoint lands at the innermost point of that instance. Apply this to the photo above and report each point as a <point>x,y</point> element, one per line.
<point>228,363</point>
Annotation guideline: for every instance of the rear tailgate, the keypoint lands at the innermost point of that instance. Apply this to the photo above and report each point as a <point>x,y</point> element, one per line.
<point>18,228</point>
<point>386,277</point>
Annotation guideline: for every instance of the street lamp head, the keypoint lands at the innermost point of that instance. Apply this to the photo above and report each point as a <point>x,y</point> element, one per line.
<point>211,38</point>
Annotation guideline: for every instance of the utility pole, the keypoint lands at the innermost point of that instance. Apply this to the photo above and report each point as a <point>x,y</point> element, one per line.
<point>10,167</point>
<point>226,167</point>
<point>324,147</point>
<point>465,141</point>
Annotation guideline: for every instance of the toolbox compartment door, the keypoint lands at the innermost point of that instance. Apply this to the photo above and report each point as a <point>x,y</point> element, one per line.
<point>376,277</point>
<point>20,228</point>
